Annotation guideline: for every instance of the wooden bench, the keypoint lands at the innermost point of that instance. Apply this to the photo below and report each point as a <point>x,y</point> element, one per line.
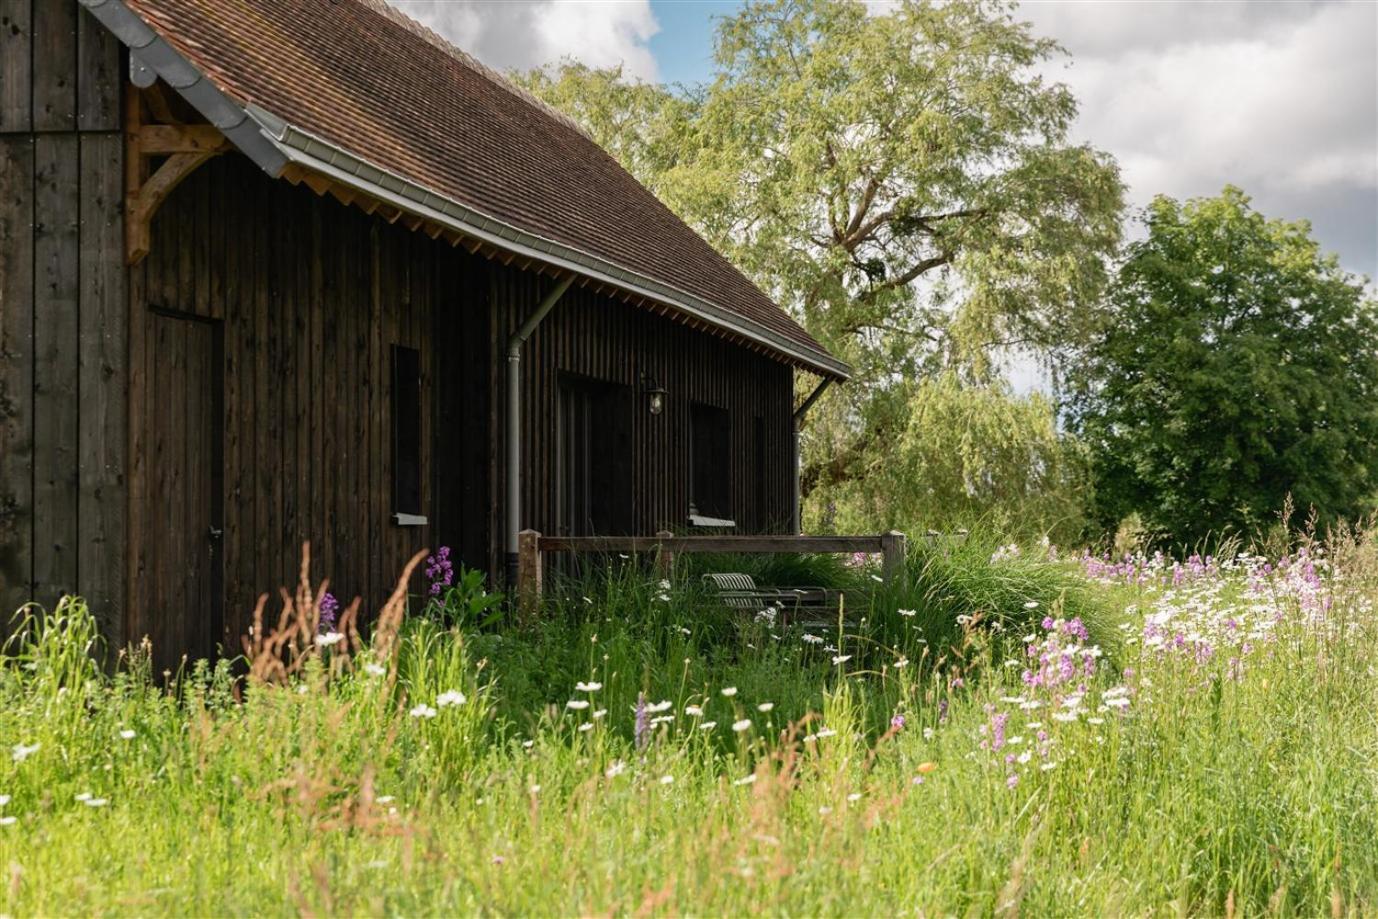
<point>808,607</point>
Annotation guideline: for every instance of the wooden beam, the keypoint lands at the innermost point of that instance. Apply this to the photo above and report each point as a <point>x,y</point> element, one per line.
<point>343,193</point>
<point>143,203</point>
<point>163,139</point>
<point>529,575</point>
<point>158,104</point>
<point>317,182</point>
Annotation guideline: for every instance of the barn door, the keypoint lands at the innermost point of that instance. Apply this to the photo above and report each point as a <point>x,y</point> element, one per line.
<point>182,579</point>
<point>595,487</point>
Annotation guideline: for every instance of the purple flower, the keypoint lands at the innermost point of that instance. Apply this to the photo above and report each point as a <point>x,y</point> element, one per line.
<point>439,571</point>
<point>1013,780</point>
<point>997,730</point>
<point>643,727</point>
<point>897,722</point>
<point>330,609</point>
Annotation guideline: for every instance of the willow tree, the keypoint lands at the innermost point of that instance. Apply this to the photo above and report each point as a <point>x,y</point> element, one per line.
<point>903,182</point>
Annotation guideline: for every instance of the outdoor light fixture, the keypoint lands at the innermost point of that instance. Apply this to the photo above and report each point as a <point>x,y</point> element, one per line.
<point>655,397</point>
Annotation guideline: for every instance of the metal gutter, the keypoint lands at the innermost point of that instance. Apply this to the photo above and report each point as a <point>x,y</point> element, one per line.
<point>273,143</point>
<point>312,152</point>
<point>148,49</point>
<point>514,421</point>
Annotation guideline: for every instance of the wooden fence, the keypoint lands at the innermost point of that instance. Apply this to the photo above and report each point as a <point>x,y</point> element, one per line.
<point>664,546</point>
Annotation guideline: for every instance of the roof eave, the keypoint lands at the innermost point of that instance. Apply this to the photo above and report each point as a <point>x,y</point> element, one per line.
<point>311,152</point>
<point>273,144</point>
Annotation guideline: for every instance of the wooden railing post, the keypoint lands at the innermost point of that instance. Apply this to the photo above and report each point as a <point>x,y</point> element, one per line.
<point>665,558</point>
<point>528,572</point>
<point>892,550</point>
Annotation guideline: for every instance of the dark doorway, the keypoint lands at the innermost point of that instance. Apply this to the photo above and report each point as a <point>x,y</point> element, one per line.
<point>595,494</point>
<point>181,590</point>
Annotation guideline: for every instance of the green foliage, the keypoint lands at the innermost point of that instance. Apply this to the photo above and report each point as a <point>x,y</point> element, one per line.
<point>638,123</point>
<point>782,570</point>
<point>1240,365</point>
<point>1215,792</point>
<point>956,584</point>
<point>466,603</point>
<point>962,456</point>
<point>900,179</point>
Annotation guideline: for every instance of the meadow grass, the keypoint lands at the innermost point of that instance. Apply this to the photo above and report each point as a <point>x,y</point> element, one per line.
<point>1151,740</point>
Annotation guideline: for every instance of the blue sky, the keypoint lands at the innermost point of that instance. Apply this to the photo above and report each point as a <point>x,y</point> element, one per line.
<point>683,47</point>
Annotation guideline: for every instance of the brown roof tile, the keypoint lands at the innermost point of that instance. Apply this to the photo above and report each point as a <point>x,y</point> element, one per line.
<point>364,78</point>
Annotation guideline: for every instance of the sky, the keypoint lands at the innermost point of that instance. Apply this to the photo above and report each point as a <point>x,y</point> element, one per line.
<point>1279,98</point>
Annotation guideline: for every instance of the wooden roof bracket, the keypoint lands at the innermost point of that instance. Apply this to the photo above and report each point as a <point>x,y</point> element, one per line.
<point>184,146</point>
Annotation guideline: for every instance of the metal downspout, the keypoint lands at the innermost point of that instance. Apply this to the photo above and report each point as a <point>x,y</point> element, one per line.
<point>514,421</point>
<point>796,510</point>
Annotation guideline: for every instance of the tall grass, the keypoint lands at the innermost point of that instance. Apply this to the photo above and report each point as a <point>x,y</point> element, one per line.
<point>1243,781</point>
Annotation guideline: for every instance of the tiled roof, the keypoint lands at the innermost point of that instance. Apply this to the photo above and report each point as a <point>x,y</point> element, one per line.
<point>366,80</point>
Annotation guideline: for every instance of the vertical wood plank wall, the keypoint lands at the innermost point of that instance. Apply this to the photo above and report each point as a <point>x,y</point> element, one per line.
<point>311,296</point>
<point>62,310</point>
<point>596,336</point>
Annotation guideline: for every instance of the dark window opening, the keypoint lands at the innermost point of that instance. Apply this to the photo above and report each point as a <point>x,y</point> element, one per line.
<point>595,480</point>
<point>406,434</point>
<point>710,489</point>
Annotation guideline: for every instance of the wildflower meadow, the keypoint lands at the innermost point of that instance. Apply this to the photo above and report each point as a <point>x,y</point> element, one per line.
<point>1003,732</point>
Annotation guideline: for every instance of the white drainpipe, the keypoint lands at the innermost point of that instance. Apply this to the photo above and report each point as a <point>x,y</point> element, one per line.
<point>514,421</point>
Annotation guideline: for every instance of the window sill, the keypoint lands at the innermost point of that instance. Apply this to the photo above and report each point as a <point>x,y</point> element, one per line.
<point>698,520</point>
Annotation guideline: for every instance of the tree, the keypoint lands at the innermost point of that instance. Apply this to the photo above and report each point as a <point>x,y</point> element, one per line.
<point>901,181</point>
<point>1240,366</point>
<point>967,455</point>
<point>637,122</point>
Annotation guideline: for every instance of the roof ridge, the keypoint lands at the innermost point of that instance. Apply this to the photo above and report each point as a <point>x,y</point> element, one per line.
<point>440,42</point>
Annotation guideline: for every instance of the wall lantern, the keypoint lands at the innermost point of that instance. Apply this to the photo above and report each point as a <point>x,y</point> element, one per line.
<point>655,396</point>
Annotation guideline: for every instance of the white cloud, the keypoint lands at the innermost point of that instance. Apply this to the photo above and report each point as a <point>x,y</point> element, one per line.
<point>1280,99</point>
<point>521,34</point>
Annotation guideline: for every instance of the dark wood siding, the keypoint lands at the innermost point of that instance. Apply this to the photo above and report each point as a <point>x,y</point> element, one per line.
<point>311,296</point>
<point>596,336</point>
<point>306,297</point>
<point>62,310</point>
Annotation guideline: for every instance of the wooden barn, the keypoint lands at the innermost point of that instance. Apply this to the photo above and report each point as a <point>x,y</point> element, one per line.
<point>277,270</point>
